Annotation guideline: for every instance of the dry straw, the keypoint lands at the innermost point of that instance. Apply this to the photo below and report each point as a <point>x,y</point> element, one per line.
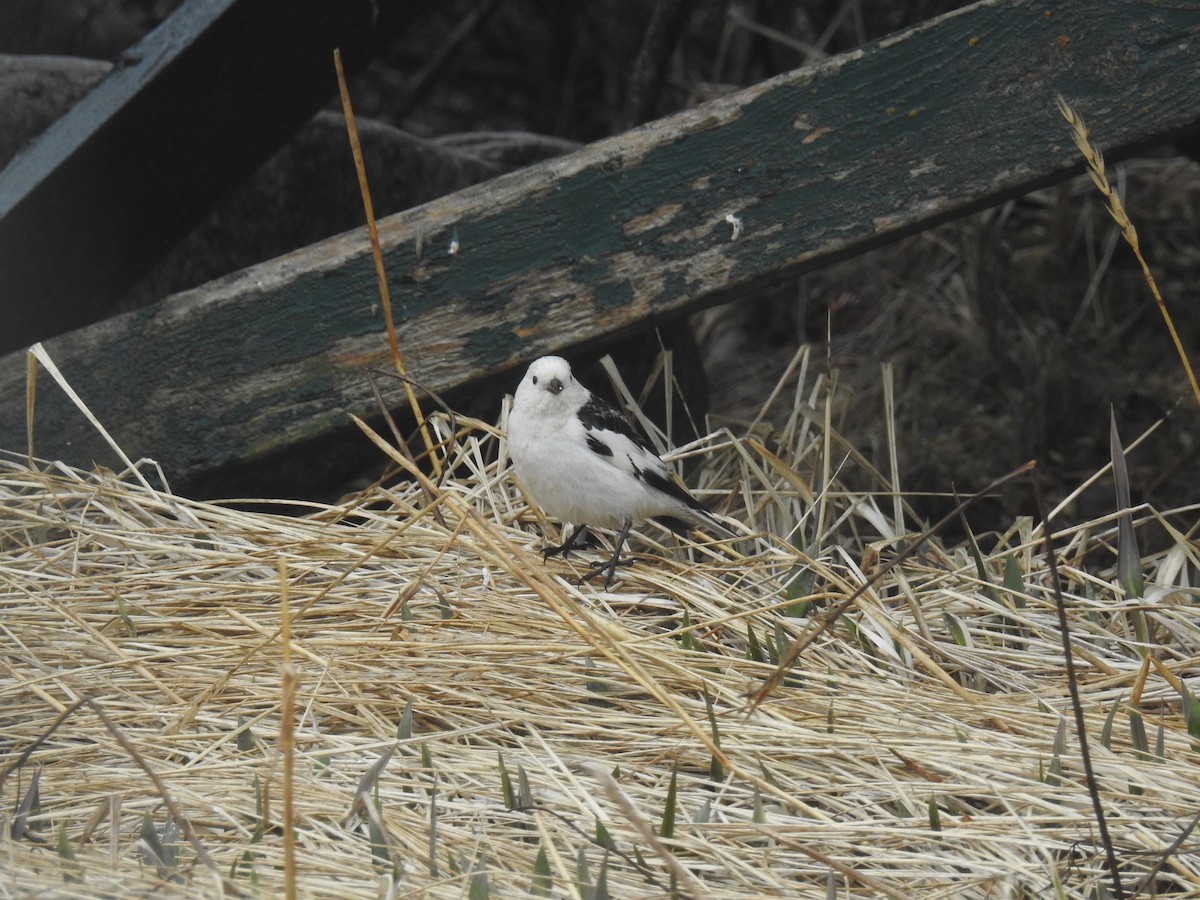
<point>468,722</point>
<point>1095,168</point>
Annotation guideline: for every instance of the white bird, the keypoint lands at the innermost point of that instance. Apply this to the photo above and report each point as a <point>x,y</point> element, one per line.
<point>582,462</point>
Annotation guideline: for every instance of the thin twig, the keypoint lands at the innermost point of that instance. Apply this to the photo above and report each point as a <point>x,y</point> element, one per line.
<point>173,809</point>
<point>1166,854</point>
<point>287,736</point>
<point>402,444</point>
<point>663,31</point>
<point>416,87</point>
<point>433,395</point>
<point>803,641</point>
<point>1095,162</point>
<point>377,252</point>
<point>1073,686</point>
<point>41,739</point>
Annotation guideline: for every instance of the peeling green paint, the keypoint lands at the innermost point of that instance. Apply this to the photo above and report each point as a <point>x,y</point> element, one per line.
<point>493,346</point>
<point>816,164</point>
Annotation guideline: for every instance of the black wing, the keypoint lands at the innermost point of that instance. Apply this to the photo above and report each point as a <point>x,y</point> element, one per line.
<point>671,489</point>
<point>596,415</point>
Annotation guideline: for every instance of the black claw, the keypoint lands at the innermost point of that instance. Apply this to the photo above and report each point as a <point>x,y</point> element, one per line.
<point>611,565</point>
<point>577,541</point>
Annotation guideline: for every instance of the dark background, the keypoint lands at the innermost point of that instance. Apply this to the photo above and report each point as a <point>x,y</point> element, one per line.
<point>1011,332</point>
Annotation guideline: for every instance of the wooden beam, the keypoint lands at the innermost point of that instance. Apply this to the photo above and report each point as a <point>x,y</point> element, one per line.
<point>185,115</point>
<point>815,165</point>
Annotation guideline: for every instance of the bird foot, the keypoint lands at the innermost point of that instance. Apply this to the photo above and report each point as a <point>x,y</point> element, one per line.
<point>610,566</point>
<point>577,541</point>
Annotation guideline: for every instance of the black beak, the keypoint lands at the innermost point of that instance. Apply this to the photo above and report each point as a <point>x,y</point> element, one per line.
<point>555,386</point>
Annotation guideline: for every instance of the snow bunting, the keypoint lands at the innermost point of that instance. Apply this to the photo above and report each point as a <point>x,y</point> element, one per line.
<point>582,462</point>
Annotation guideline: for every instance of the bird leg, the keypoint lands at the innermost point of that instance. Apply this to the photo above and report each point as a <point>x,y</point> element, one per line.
<point>611,565</point>
<point>577,541</point>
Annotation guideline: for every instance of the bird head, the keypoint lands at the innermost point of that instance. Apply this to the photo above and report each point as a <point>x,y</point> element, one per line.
<point>548,384</point>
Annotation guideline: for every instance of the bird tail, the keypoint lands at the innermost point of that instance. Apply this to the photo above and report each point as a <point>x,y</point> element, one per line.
<point>705,519</point>
<point>698,517</point>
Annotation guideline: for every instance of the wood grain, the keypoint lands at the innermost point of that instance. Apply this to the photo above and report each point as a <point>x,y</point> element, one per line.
<point>817,165</point>
<point>185,115</point>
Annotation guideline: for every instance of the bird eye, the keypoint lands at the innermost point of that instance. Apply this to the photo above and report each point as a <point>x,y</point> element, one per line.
<point>535,379</point>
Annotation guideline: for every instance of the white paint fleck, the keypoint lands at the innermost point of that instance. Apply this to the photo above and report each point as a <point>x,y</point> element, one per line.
<point>737,226</point>
<point>924,168</point>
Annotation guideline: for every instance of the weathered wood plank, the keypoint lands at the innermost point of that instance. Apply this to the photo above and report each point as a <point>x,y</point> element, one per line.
<point>817,165</point>
<point>186,114</point>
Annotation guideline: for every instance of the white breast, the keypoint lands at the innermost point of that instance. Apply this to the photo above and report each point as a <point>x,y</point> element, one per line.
<point>568,480</point>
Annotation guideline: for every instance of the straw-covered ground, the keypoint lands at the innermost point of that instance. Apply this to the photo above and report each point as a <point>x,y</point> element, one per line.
<point>466,721</point>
